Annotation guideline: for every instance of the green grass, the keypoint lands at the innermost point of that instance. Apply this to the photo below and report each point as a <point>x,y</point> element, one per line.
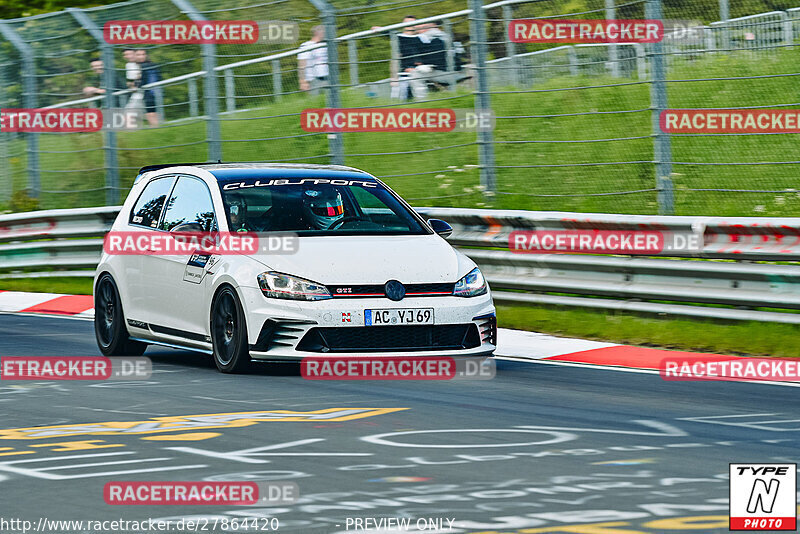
<point>525,169</point>
<point>695,334</point>
<point>65,285</point>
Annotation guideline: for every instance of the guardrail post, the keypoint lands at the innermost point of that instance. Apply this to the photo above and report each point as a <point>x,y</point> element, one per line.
<point>210,92</point>
<point>28,101</point>
<point>158,93</point>
<point>788,37</point>
<point>450,54</point>
<point>277,82</point>
<point>483,104</point>
<point>110,148</point>
<point>333,99</point>
<point>230,91</point>
<point>193,110</point>
<point>611,14</point>
<point>658,103</point>
<point>352,57</point>
<point>7,179</point>
<point>641,61</point>
<point>724,15</point>
<point>511,46</point>
<point>573,61</point>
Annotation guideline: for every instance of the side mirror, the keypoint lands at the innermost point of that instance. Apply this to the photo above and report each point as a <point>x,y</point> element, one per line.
<point>441,227</point>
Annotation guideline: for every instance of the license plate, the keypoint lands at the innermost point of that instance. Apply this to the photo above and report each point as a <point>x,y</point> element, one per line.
<point>398,316</point>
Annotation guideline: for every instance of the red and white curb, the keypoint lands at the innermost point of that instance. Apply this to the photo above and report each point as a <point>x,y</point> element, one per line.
<point>513,344</point>
<point>79,306</point>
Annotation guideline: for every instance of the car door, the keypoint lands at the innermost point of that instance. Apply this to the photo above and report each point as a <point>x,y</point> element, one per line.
<point>133,282</point>
<point>177,280</point>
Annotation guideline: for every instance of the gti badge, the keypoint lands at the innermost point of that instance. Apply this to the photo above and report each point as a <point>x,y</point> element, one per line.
<point>394,290</point>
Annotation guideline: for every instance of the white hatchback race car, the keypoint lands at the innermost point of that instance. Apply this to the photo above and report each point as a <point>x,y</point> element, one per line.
<point>369,275</point>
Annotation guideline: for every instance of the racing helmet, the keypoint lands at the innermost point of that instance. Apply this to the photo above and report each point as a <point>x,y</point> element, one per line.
<point>237,207</point>
<point>322,207</point>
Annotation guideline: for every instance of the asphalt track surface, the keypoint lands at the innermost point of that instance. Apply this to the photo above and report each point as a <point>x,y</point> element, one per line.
<point>540,448</point>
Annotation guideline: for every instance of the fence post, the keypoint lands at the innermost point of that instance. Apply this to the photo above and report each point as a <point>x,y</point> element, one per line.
<point>333,99</point>
<point>477,30</point>
<point>210,92</point>
<point>110,148</point>
<point>28,101</point>
<point>611,14</point>
<point>658,103</point>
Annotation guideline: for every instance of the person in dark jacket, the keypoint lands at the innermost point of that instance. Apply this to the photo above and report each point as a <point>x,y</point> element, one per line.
<point>423,57</point>
<point>98,89</point>
<point>150,74</point>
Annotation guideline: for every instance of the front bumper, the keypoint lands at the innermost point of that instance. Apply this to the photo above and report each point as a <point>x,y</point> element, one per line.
<point>290,330</point>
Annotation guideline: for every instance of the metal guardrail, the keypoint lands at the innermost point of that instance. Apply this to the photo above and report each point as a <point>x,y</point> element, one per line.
<point>68,243</point>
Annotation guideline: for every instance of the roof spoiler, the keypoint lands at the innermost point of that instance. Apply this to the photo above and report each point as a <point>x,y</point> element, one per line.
<point>147,168</point>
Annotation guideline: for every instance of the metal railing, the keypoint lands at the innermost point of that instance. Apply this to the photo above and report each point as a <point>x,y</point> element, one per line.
<point>69,243</point>
<point>562,139</point>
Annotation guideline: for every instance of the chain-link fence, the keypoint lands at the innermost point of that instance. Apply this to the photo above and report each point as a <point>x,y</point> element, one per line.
<point>577,124</point>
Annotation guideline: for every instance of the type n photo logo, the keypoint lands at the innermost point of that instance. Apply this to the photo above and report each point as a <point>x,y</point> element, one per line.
<point>763,497</point>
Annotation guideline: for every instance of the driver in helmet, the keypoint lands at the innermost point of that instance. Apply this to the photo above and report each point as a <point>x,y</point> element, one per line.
<point>322,207</point>
<point>237,212</point>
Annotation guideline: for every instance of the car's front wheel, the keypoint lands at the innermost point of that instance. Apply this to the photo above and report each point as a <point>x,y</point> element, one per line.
<point>229,333</point>
<point>109,322</point>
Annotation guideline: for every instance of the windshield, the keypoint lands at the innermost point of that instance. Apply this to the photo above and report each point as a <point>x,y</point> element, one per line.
<point>316,206</point>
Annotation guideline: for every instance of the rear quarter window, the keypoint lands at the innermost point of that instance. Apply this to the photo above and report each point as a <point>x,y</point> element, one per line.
<point>147,210</point>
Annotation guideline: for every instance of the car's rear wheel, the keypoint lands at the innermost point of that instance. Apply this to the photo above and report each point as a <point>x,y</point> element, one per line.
<point>109,322</point>
<point>229,333</point>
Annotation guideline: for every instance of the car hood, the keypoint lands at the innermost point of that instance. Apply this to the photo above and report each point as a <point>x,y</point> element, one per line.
<point>371,260</point>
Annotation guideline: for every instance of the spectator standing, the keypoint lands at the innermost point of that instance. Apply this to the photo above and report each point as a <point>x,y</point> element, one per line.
<point>312,65</point>
<point>409,49</point>
<point>431,63</point>
<point>98,69</point>
<point>150,74</point>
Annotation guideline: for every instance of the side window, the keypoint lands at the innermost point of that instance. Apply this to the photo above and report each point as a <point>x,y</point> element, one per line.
<point>189,208</point>
<point>147,209</point>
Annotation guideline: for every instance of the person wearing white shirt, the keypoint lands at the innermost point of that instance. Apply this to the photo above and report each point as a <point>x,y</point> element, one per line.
<point>313,64</point>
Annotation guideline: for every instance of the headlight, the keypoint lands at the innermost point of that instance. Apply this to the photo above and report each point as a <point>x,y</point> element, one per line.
<point>471,285</point>
<point>282,286</point>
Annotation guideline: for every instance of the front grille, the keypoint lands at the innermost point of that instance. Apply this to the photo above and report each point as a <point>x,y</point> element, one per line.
<point>391,338</point>
<point>376,290</point>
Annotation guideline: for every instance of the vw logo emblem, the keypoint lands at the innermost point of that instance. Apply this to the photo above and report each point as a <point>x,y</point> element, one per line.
<point>394,290</point>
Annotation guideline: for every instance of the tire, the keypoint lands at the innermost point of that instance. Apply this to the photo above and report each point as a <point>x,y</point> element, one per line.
<point>109,321</point>
<point>229,333</point>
